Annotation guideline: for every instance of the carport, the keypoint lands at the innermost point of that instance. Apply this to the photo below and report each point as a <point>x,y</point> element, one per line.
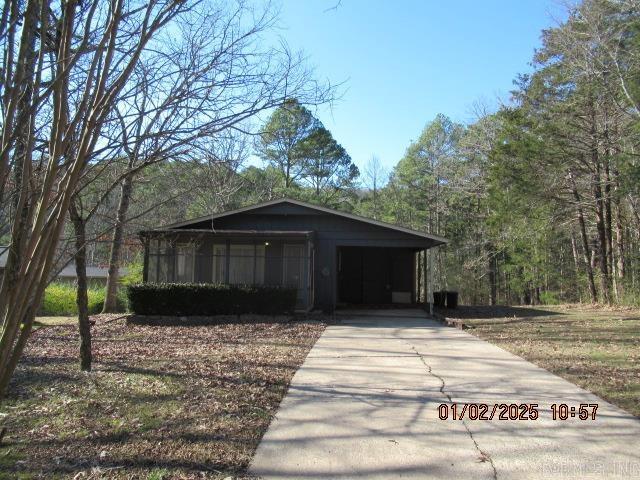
<point>376,275</point>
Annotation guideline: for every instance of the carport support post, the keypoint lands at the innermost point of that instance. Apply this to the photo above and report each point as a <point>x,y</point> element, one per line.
<point>428,278</point>
<point>432,263</point>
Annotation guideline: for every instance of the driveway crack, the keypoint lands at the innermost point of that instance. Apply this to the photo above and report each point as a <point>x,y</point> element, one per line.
<point>484,456</point>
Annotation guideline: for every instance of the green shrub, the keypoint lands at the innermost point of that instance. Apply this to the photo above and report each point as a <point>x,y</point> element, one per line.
<point>549,298</point>
<point>203,299</point>
<point>630,297</point>
<point>133,275</point>
<point>60,300</point>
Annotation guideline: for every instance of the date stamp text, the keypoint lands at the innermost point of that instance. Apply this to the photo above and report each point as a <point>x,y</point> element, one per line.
<point>514,411</point>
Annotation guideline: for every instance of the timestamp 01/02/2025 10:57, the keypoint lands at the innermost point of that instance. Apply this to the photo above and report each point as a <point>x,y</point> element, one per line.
<point>514,411</point>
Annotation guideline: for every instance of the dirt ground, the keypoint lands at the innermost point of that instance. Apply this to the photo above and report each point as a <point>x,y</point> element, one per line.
<point>161,402</point>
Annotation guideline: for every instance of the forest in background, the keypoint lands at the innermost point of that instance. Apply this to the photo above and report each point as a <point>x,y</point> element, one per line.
<point>539,198</point>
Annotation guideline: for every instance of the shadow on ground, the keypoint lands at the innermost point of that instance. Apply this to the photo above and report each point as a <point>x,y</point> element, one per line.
<point>499,311</point>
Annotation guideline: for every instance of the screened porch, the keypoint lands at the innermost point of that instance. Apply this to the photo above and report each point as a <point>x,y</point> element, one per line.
<point>232,258</point>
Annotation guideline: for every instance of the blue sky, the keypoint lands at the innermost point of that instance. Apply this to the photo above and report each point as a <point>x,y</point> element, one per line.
<point>405,61</point>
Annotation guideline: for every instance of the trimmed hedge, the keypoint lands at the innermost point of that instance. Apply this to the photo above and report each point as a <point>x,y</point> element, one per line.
<point>202,299</point>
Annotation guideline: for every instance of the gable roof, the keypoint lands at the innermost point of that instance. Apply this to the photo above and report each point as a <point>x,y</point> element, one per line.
<point>437,239</point>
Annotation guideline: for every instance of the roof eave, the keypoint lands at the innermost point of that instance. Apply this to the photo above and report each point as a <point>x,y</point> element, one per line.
<point>436,238</point>
<point>265,233</point>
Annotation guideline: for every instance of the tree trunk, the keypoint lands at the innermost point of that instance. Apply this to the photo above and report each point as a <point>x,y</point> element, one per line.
<point>491,274</point>
<point>607,204</point>
<point>609,227</point>
<point>620,246</point>
<point>576,265</point>
<point>111,296</point>
<point>585,243</point>
<point>601,226</point>
<point>287,173</point>
<point>602,241</point>
<point>634,210</point>
<point>18,306</point>
<point>596,188</point>
<point>82,300</point>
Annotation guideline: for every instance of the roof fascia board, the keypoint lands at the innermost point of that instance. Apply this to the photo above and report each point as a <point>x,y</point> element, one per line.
<point>331,211</point>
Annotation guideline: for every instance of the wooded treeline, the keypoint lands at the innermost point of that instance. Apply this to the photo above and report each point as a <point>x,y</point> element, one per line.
<point>540,199</point>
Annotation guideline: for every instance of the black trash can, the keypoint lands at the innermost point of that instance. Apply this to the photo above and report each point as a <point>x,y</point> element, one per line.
<point>439,299</point>
<point>452,299</point>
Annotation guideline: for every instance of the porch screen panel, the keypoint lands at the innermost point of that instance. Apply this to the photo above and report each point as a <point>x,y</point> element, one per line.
<point>259,272</point>
<point>219,263</point>
<point>246,264</point>
<point>185,257</point>
<point>293,266</point>
<point>152,272</point>
<point>161,258</point>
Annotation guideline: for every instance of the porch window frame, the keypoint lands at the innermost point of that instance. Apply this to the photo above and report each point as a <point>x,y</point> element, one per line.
<point>169,257</point>
<point>156,258</point>
<point>255,244</point>
<point>192,249</point>
<point>301,257</point>
<point>225,259</point>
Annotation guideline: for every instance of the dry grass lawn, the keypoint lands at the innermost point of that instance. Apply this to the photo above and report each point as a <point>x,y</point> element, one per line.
<point>54,321</point>
<point>161,402</point>
<point>596,348</point>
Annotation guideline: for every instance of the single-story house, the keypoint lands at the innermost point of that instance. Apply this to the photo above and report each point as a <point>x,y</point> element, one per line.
<point>332,258</point>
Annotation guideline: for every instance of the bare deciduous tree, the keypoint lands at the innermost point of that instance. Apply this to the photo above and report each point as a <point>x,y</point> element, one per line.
<point>375,178</point>
<point>64,67</point>
<point>213,73</point>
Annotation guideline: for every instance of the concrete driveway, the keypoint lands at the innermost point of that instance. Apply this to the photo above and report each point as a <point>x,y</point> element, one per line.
<point>365,405</point>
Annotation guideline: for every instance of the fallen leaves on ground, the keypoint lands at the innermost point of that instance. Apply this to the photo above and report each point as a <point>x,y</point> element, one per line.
<point>161,402</point>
